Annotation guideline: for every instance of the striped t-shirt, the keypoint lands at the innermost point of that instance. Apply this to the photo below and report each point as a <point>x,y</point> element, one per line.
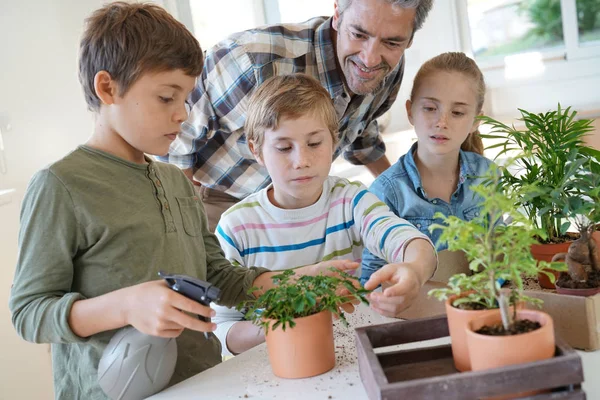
<point>346,219</point>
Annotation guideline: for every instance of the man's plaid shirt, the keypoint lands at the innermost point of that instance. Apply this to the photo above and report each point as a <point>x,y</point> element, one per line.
<point>212,139</point>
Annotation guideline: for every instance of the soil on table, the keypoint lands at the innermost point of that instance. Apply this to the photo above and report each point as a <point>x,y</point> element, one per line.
<point>518,327</point>
<point>565,281</point>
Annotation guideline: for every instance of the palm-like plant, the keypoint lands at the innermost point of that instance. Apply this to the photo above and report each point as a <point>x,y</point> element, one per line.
<point>552,156</point>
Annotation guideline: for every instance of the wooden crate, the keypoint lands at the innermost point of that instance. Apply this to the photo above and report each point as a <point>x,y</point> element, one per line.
<point>429,373</point>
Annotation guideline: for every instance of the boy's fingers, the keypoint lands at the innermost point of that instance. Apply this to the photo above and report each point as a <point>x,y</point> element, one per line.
<point>342,265</point>
<point>377,278</point>
<point>183,303</point>
<point>401,288</point>
<point>192,323</point>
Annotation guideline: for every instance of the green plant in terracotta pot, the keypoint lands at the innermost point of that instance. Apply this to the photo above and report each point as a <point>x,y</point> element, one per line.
<point>552,155</point>
<point>583,256</point>
<point>496,252</point>
<point>296,316</point>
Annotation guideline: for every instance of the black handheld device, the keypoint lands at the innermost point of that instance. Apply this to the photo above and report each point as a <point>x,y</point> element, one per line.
<point>201,291</point>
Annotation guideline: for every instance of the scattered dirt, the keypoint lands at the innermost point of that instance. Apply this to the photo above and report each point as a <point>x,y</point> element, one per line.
<point>519,326</point>
<point>565,281</point>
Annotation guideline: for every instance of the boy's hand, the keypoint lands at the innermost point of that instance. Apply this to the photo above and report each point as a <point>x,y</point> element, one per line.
<point>155,309</point>
<point>400,285</point>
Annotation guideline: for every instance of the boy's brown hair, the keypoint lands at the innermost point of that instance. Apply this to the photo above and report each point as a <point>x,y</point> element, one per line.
<point>128,40</point>
<point>290,96</point>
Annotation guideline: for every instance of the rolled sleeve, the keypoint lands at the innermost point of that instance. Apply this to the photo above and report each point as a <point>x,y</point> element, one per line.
<point>41,297</point>
<point>225,319</point>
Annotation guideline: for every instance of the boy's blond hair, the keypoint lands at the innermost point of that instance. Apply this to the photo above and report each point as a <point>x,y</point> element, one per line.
<point>288,96</point>
<point>127,40</point>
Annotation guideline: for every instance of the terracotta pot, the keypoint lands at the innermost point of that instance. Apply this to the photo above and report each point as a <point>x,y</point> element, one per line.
<point>545,252</point>
<point>577,292</point>
<point>487,352</point>
<point>302,351</point>
<point>457,325</point>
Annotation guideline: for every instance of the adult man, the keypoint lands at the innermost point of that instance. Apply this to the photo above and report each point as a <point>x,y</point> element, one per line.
<point>357,55</point>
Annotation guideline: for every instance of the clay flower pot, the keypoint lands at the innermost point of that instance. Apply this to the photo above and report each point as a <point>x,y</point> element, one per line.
<point>457,325</point>
<point>302,351</point>
<point>487,352</point>
<point>577,292</point>
<point>545,252</point>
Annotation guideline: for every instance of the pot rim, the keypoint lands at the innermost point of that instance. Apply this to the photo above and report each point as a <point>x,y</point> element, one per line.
<point>470,330</point>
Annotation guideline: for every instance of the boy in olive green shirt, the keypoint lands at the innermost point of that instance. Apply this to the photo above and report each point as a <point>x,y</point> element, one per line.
<point>98,225</point>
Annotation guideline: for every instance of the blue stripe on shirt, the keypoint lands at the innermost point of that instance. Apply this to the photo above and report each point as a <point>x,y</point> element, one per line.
<point>385,235</point>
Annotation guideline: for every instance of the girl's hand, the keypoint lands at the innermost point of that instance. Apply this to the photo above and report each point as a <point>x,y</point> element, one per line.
<point>155,309</point>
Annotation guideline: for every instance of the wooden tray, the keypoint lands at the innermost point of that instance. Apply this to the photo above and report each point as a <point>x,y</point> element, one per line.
<point>429,373</point>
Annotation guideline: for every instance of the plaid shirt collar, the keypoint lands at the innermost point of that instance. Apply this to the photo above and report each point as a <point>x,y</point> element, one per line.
<point>326,59</point>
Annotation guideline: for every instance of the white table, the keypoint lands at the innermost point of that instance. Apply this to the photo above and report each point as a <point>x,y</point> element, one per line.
<point>249,375</point>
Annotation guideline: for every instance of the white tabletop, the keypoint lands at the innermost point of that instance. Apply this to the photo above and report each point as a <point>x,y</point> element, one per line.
<point>249,375</point>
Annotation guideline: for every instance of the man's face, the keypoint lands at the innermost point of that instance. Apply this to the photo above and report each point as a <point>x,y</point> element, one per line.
<point>372,37</point>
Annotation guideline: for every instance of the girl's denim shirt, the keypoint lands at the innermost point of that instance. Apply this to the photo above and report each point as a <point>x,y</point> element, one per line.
<point>401,189</point>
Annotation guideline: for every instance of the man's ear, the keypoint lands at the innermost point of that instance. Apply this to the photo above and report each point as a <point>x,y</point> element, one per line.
<point>408,106</point>
<point>105,88</point>
<point>336,16</point>
<point>257,154</point>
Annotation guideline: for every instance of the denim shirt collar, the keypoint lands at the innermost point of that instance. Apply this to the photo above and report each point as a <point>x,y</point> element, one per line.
<point>415,178</point>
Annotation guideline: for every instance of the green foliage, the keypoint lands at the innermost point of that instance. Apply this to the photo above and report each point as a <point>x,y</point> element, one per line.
<point>296,297</point>
<point>588,13</point>
<point>546,16</point>
<point>552,158</point>
<point>495,250</point>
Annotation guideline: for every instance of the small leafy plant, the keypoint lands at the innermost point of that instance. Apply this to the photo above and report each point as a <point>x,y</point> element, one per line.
<point>583,205</point>
<point>296,297</point>
<point>496,251</point>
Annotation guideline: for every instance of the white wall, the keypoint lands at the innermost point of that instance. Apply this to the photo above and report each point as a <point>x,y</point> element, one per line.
<point>41,99</point>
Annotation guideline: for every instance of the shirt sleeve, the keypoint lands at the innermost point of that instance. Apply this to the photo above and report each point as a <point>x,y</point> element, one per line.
<point>383,233</point>
<point>227,317</point>
<point>371,263</point>
<point>41,298</point>
<point>233,281</point>
<point>218,103</point>
<point>369,146</point>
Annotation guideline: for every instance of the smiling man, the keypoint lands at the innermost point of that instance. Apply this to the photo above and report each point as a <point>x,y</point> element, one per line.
<point>357,55</point>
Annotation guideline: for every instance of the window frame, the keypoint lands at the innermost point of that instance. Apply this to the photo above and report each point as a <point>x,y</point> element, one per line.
<point>572,49</point>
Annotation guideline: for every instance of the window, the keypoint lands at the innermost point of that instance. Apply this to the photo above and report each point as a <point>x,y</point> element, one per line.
<point>213,21</point>
<point>588,21</point>
<point>552,28</point>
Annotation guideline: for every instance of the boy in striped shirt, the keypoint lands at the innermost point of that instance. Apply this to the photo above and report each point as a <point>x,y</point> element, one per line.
<point>305,215</point>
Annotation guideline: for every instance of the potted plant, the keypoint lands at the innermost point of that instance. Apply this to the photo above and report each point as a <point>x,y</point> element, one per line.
<point>496,251</point>
<point>583,255</point>
<point>552,155</point>
<point>296,316</point>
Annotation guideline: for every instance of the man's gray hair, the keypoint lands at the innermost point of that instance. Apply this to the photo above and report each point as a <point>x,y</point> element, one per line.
<point>422,9</point>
